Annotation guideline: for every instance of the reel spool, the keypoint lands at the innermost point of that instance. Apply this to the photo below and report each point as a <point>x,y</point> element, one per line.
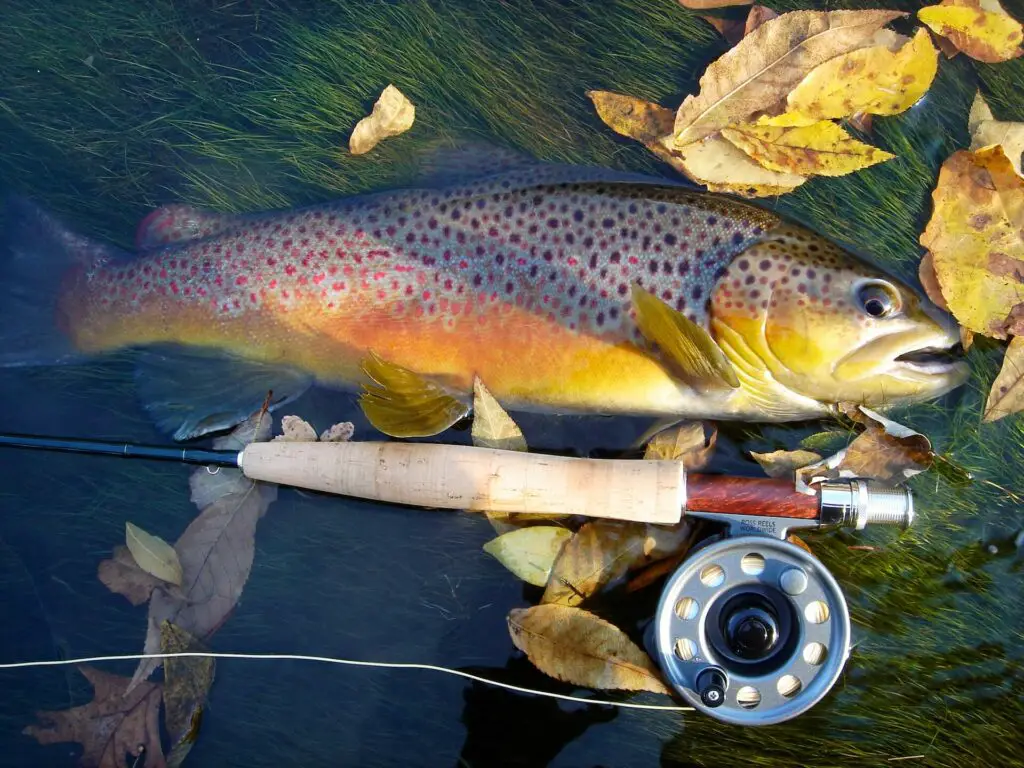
<point>754,630</point>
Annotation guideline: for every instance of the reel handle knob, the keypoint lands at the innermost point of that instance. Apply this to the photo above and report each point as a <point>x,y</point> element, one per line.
<point>711,685</point>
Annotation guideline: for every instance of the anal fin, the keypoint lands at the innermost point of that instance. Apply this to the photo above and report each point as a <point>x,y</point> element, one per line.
<point>191,391</point>
<point>401,403</point>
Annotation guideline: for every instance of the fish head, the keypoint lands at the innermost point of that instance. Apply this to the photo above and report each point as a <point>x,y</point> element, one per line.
<point>798,311</point>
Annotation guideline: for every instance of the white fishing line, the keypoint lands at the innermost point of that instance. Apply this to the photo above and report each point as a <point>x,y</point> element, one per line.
<point>348,662</point>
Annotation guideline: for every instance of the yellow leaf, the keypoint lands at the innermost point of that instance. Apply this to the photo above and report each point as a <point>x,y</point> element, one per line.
<point>786,120</point>
<point>823,149</point>
<point>979,113</point>
<point>529,552</point>
<point>1000,133</point>
<point>153,555</point>
<point>492,426</point>
<point>1007,393</point>
<point>577,647</point>
<point>768,63</point>
<point>722,167</point>
<point>633,117</point>
<point>686,443</point>
<point>984,33</point>
<point>391,115</point>
<point>784,463</point>
<point>872,80</point>
<point>976,239</point>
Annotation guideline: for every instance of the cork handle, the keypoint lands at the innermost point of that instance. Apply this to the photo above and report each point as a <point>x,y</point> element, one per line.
<point>479,479</point>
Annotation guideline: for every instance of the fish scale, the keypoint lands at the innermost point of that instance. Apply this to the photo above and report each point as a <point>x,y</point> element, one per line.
<point>566,252</point>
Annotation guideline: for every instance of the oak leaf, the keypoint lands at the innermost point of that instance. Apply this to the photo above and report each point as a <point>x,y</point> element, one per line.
<point>116,723</point>
<point>1007,393</point>
<point>822,149</point>
<point>575,646</point>
<point>392,114</point>
<point>981,29</point>
<point>870,81</point>
<point>976,239</point>
<point>768,63</point>
<point>529,553</point>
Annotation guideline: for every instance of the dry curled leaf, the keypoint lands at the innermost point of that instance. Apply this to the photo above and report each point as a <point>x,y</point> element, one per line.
<point>976,239</point>
<point>187,682</point>
<point>981,29</point>
<point>120,573</point>
<point>577,647</point>
<point>295,430</point>
<point>687,442</point>
<point>868,81</point>
<point>153,555</point>
<point>530,552</point>
<point>391,115</point>
<point>822,149</point>
<point>768,63</point>
<point>784,463</point>
<point>116,723</point>
<point>1007,393</point>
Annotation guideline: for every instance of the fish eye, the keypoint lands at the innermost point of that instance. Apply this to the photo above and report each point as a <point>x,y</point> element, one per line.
<point>878,299</point>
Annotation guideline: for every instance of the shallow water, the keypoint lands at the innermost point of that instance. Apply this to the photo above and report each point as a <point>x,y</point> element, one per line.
<point>110,108</point>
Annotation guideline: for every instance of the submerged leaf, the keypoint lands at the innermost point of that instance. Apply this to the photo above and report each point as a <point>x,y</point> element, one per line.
<point>153,555</point>
<point>784,463</point>
<point>632,117</point>
<point>871,81</point>
<point>822,149</point>
<point>982,30</point>
<point>768,63</point>
<point>976,239</point>
<point>391,115</point>
<point>1007,393</point>
<point>116,723</point>
<point>120,573</point>
<point>530,552</point>
<point>577,647</point>
<point>187,682</point>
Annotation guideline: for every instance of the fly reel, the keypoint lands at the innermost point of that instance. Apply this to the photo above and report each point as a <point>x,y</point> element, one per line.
<point>754,630</point>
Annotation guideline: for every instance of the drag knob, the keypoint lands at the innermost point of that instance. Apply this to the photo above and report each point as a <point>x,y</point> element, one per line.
<point>711,685</point>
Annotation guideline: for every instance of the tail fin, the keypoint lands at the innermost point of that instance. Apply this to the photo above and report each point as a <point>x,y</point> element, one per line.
<point>37,254</point>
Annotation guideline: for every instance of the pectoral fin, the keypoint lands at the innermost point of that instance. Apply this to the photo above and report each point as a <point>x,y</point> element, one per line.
<point>401,403</point>
<point>695,356</point>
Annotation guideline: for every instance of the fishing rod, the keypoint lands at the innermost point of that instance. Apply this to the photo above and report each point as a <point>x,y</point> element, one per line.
<point>750,629</point>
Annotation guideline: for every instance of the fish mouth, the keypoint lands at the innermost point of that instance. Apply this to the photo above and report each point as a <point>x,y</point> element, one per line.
<point>933,360</point>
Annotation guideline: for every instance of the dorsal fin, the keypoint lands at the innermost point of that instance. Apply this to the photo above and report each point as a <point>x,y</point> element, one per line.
<point>173,224</point>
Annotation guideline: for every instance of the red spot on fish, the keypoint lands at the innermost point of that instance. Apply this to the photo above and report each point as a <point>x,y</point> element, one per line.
<point>290,270</point>
<point>240,280</point>
<point>252,297</point>
<point>174,288</point>
<point>317,279</point>
<point>163,274</point>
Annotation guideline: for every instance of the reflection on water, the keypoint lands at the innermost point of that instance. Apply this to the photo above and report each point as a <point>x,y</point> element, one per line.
<point>937,612</point>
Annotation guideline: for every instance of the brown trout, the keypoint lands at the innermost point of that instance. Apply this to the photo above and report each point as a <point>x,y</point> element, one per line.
<point>563,289</point>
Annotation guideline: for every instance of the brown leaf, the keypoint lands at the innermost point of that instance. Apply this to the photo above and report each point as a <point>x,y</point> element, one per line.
<point>392,114</point>
<point>758,15</point>
<point>784,463</point>
<point>768,63</point>
<point>930,282</point>
<point>730,29</point>
<point>603,551</point>
<point>120,573</point>
<point>1007,393</point>
<point>632,117</point>
<point>686,442</point>
<point>216,551</point>
<point>114,724</point>
<point>703,5</point>
<point>577,647</point>
<point>187,682</point>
